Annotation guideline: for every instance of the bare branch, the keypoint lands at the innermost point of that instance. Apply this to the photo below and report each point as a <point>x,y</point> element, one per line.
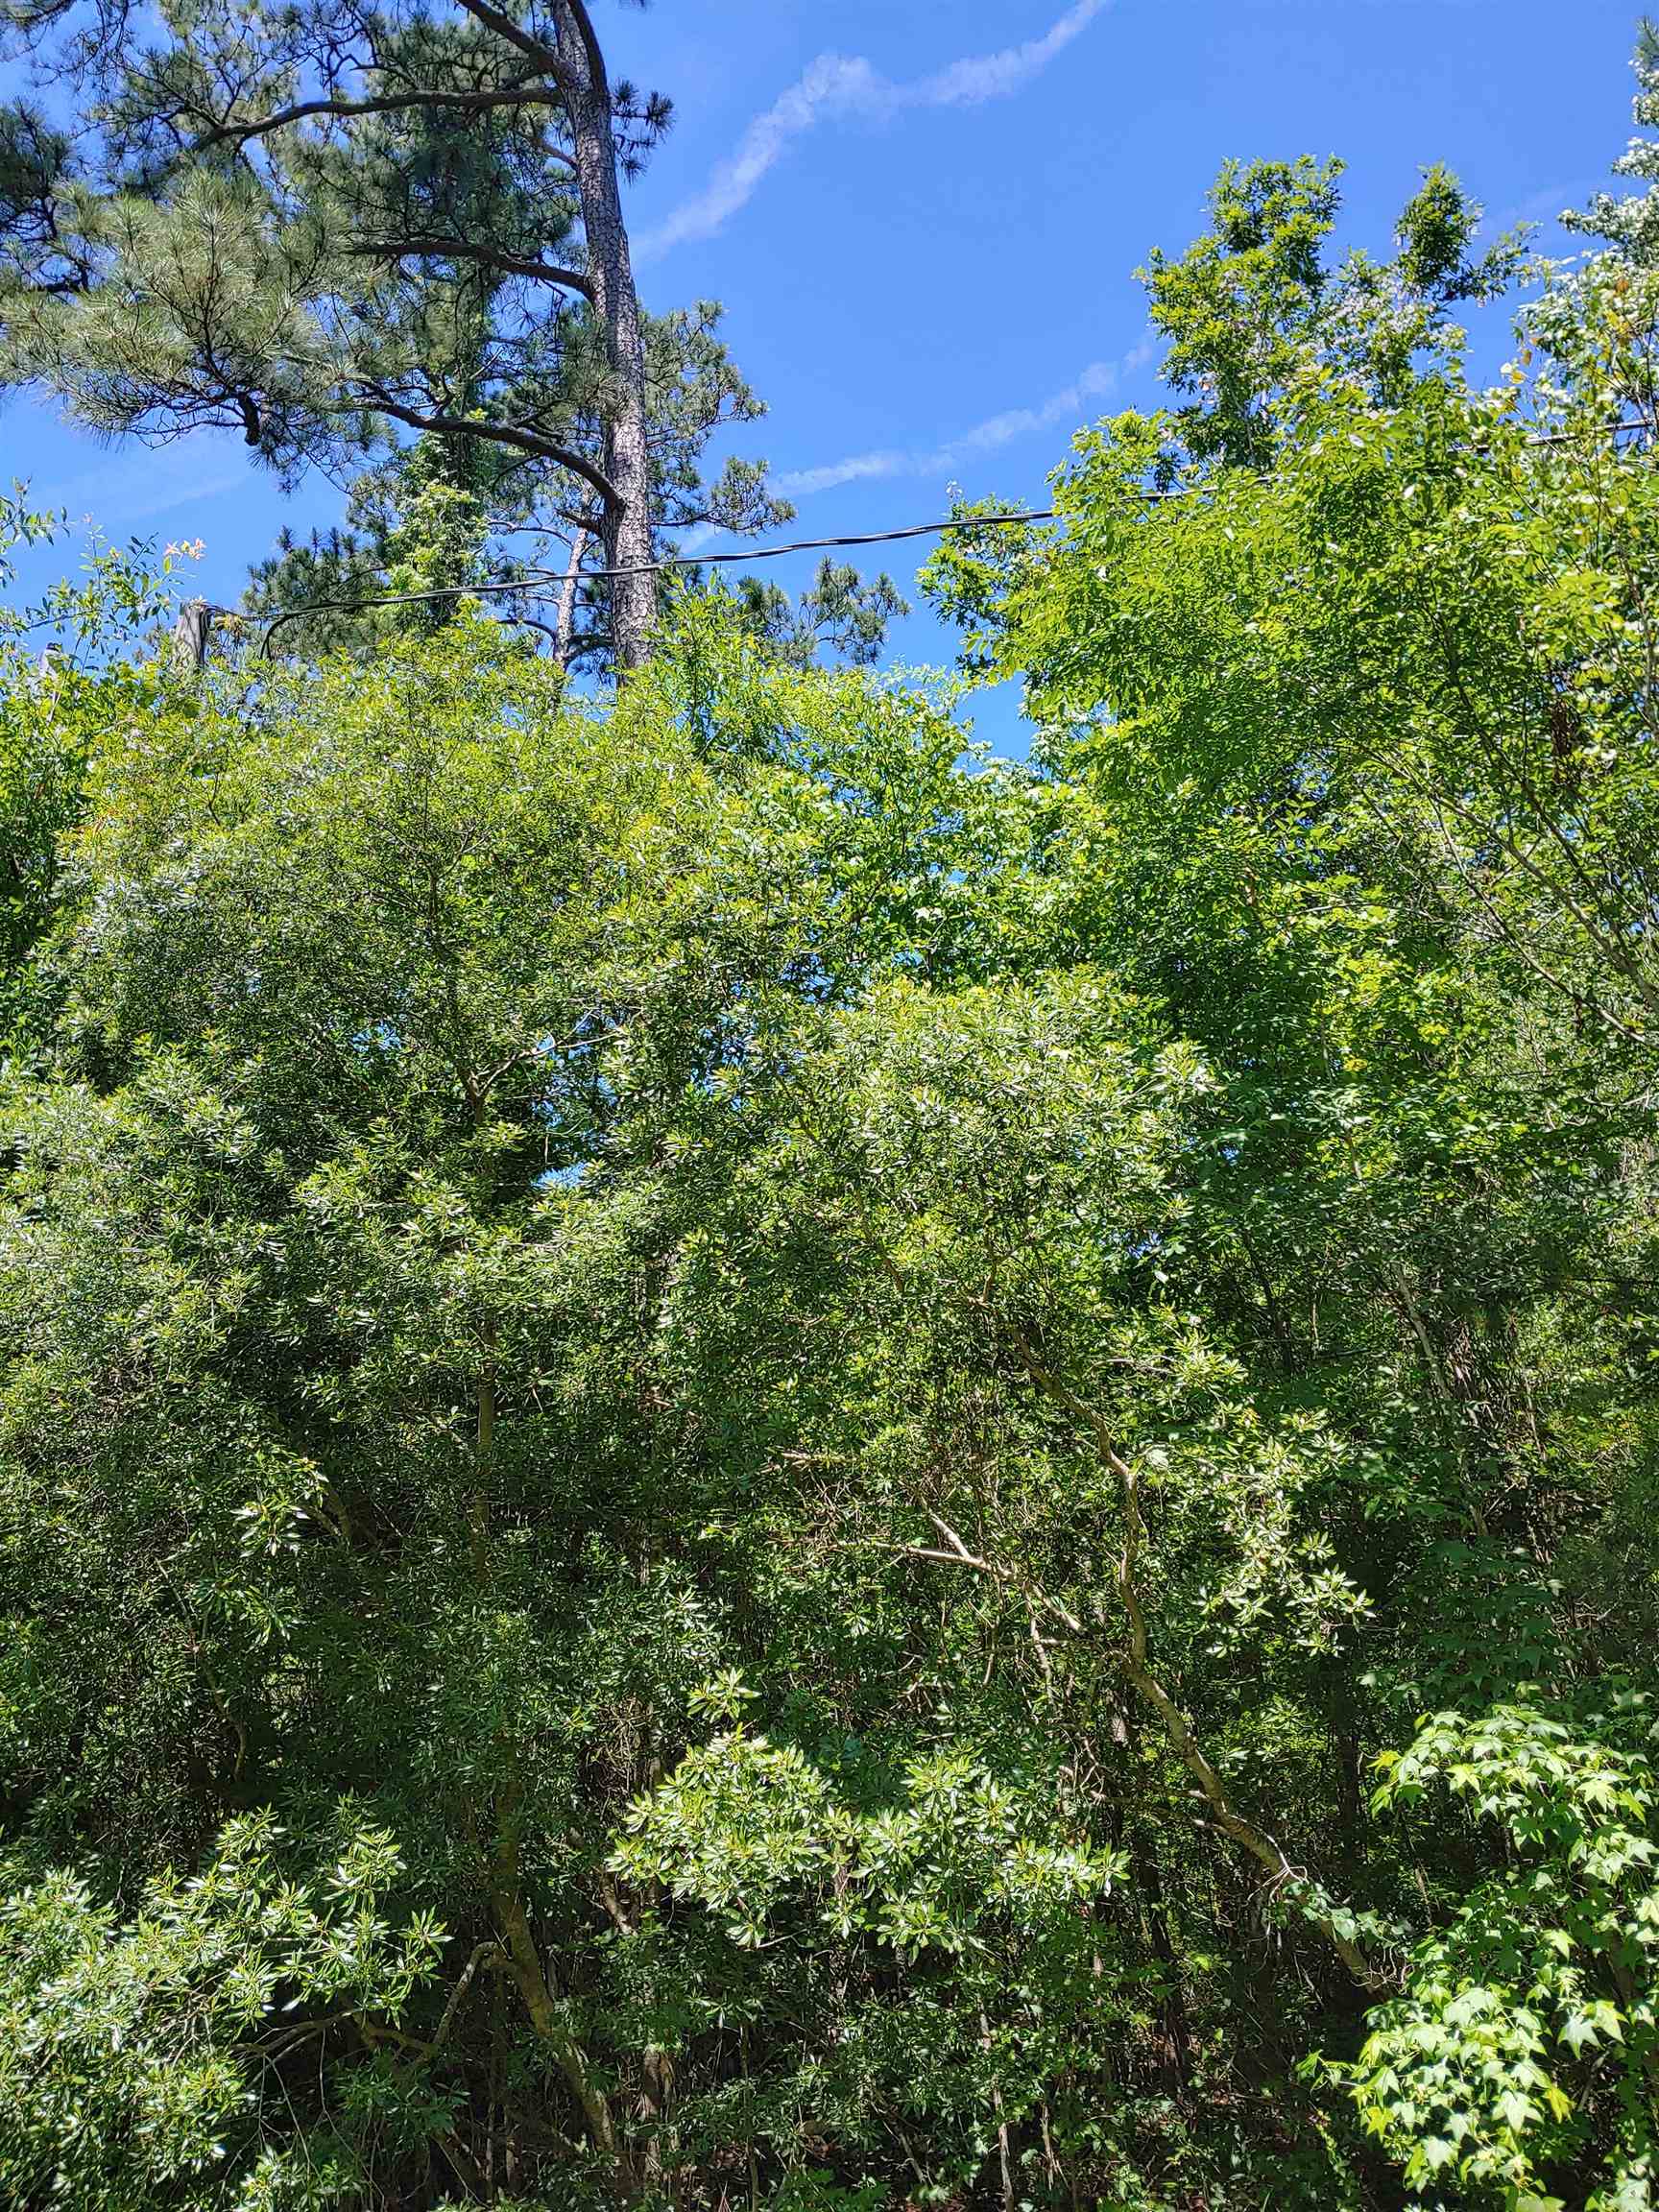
<point>536,50</point>
<point>383,103</point>
<point>488,257</point>
<point>499,434</point>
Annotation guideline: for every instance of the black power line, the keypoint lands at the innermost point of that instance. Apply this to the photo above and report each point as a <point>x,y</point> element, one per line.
<point>535,578</point>
<point>528,585</point>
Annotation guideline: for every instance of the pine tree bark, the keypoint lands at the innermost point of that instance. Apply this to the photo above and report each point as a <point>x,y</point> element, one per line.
<point>627,515</point>
<point>576,63</point>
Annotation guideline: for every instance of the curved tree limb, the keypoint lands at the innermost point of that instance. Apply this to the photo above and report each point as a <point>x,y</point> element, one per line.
<point>499,434</point>
<point>546,56</point>
<point>380,104</point>
<point>1262,1846</point>
<point>487,257</point>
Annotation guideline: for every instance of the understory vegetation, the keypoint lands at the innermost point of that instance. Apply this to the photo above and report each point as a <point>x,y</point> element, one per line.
<point>748,1462</point>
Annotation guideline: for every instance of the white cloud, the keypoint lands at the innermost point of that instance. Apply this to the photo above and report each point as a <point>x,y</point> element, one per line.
<point>994,75</point>
<point>1097,381</point>
<point>837,86</point>
<point>138,485</point>
<point>854,469</point>
<point>699,535</point>
<point>1546,207</point>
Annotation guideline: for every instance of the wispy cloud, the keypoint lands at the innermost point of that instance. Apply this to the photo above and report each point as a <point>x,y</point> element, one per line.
<point>1098,381</point>
<point>137,487</point>
<point>856,468</point>
<point>1547,206</point>
<point>994,75</point>
<point>837,87</point>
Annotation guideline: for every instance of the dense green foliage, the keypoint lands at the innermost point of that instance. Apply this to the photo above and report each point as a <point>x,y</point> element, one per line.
<point>746,1463</point>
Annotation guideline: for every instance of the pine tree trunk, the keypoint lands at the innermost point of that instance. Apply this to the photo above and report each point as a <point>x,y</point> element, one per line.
<point>627,525</point>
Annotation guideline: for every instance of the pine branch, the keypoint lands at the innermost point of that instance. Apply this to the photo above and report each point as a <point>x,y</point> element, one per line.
<point>499,434</point>
<point>546,56</point>
<point>488,257</point>
<point>386,104</point>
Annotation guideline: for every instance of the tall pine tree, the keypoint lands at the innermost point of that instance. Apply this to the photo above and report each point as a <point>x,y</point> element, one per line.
<point>330,227</point>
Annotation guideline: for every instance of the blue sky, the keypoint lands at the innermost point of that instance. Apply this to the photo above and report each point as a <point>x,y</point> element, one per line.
<point>923,221</point>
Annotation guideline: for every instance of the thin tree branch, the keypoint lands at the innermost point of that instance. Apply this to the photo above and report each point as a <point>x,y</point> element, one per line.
<point>383,103</point>
<point>499,434</point>
<point>1262,1847</point>
<point>534,49</point>
<point>488,257</point>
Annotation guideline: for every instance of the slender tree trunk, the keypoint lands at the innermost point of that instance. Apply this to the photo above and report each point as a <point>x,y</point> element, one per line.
<point>566,633</point>
<point>627,524</point>
<point>538,1989</point>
